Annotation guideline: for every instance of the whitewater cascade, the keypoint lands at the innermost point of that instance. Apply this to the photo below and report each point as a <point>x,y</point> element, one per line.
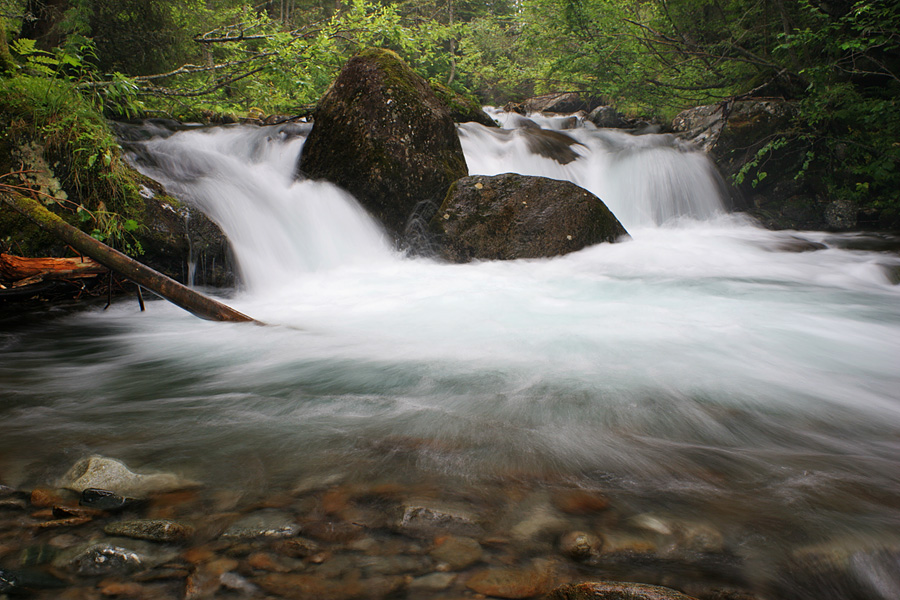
<point>698,370</point>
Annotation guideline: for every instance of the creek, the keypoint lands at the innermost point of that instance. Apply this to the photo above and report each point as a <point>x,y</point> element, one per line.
<point>705,371</point>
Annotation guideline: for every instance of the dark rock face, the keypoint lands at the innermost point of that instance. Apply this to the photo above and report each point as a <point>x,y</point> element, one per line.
<point>516,216</point>
<point>382,134</point>
<point>733,133</point>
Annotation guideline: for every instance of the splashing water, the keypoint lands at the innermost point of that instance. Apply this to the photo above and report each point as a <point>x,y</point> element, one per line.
<point>697,369</point>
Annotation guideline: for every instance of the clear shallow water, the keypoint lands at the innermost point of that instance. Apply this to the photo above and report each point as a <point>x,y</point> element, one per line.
<point>695,370</point>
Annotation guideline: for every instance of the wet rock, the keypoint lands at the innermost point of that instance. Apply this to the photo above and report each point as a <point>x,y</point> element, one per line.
<point>462,109</point>
<point>105,500</point>
<point>380,133</point>
<point>845,569</point>
<point>540,521</point>
<point>580,502</point>
<point>432,583</point>
<point>155,530</point>
<point>580,546</point>
<point>455,553</point>
<point>555,102</point>
<point>682,535</point>
<point>297,547</point>
<point>265,523</point>
<point>551,144</point>
<point>112,556</point>
<point>607,117</point>
<point>112,475</point>
<point>615,591</point>
<point>291,585</point>
<point>512,582</point>
<point>23,581</point>
<point>514,216</point>
<point>264,561</point>
<point>121,588</point>
<point>236,583</point>
<point>48,498</point>
<point>428,518</point>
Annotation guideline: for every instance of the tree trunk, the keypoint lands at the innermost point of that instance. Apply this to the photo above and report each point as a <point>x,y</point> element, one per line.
<point>171,290</point>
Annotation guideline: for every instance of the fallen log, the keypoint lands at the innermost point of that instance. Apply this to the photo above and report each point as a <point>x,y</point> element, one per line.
<point>21,271</point>
<point>168,288</point>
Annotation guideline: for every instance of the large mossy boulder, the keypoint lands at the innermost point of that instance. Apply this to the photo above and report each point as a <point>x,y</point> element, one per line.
<point>751,143</point>
<point>513,216</point>
<point>381,133</point>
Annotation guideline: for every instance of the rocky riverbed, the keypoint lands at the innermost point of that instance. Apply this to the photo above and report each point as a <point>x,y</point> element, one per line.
<point>103,530</point>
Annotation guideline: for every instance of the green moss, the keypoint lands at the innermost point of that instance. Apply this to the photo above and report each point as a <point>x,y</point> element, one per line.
<point>75,147</point>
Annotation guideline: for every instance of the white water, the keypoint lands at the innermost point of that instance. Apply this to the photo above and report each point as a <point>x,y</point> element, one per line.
<point>695,368</point>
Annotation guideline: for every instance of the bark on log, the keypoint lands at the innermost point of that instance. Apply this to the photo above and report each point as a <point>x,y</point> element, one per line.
<point>168,288</point>
<point>22,271</point>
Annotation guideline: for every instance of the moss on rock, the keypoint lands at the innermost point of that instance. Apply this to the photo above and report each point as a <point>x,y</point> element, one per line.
<point>382,134</point>
<point>517,216</point>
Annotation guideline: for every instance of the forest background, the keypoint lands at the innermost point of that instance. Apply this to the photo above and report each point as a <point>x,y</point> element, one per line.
<point>67,62</point>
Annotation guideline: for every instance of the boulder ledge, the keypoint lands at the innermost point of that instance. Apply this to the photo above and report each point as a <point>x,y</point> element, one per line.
<point>513,216</point>
<point>381,133</point>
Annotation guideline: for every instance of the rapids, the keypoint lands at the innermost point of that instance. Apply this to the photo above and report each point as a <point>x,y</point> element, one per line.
<point>697,370</point>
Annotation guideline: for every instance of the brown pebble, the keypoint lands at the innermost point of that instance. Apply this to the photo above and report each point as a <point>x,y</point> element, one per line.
<point>335,501</point>
<point>580,502</point>
<point>198,555</point>
<point>47,498</point>
<point>121,589</point>
<point>263,561</point>
<point>70,522</point>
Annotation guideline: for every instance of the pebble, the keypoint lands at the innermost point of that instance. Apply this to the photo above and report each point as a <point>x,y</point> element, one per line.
<point>456,553</point>
<point>432,582</point>
<point>155,530</point>
<point>104,500</point>
<point>580,546</point>
<point>580,502</point>
<point>111,556</point>
<point>512,582</point>
<point>425,518</point>
<point>265,523</point>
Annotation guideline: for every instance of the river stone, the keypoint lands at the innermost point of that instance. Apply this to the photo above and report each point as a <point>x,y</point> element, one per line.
<point>265,523</point>
<point>502,582</point>
<point>427,518</point>
<point>580,546</point>
<point>112,556</point>
<point>615,591</point>
<point>104,500</point>
<point>456,553</point>
<point>463,109</point>
<point>155,530</point>
<point>112,475</point>
<point>381,133</point>
<point>607,117</point>
<point>514,216</point>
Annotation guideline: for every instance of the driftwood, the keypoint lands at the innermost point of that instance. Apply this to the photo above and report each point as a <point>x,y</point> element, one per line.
<point>168,288</point>
<point>21,271</point>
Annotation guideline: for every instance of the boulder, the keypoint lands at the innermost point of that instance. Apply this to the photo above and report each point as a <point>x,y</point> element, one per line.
<point>555,102</point>
<point>734,133</point>
<point>517,216</point>
<point>380,133</point>
<point>607,117</point>
<point>463,109</point>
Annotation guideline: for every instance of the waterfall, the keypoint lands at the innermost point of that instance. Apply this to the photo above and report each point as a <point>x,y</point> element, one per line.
<point>707,370</point>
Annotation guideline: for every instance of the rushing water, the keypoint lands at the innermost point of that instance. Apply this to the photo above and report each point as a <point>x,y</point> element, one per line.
<point>697,371</point>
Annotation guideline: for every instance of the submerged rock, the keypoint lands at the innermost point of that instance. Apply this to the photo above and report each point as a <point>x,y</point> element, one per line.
<point>580,546</point>
<point>112,475</point>
<point>427,518</point>
<point>266,523</point>
<point>112,556</point>
<point>502,582</point>
<point>455,553</point>
<point>516,216</point>
<point>155,530</point>
<point>615,591</point>
<point>382,134</point>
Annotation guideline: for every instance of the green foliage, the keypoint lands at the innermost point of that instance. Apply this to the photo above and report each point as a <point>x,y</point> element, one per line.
<point>79,147</point>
